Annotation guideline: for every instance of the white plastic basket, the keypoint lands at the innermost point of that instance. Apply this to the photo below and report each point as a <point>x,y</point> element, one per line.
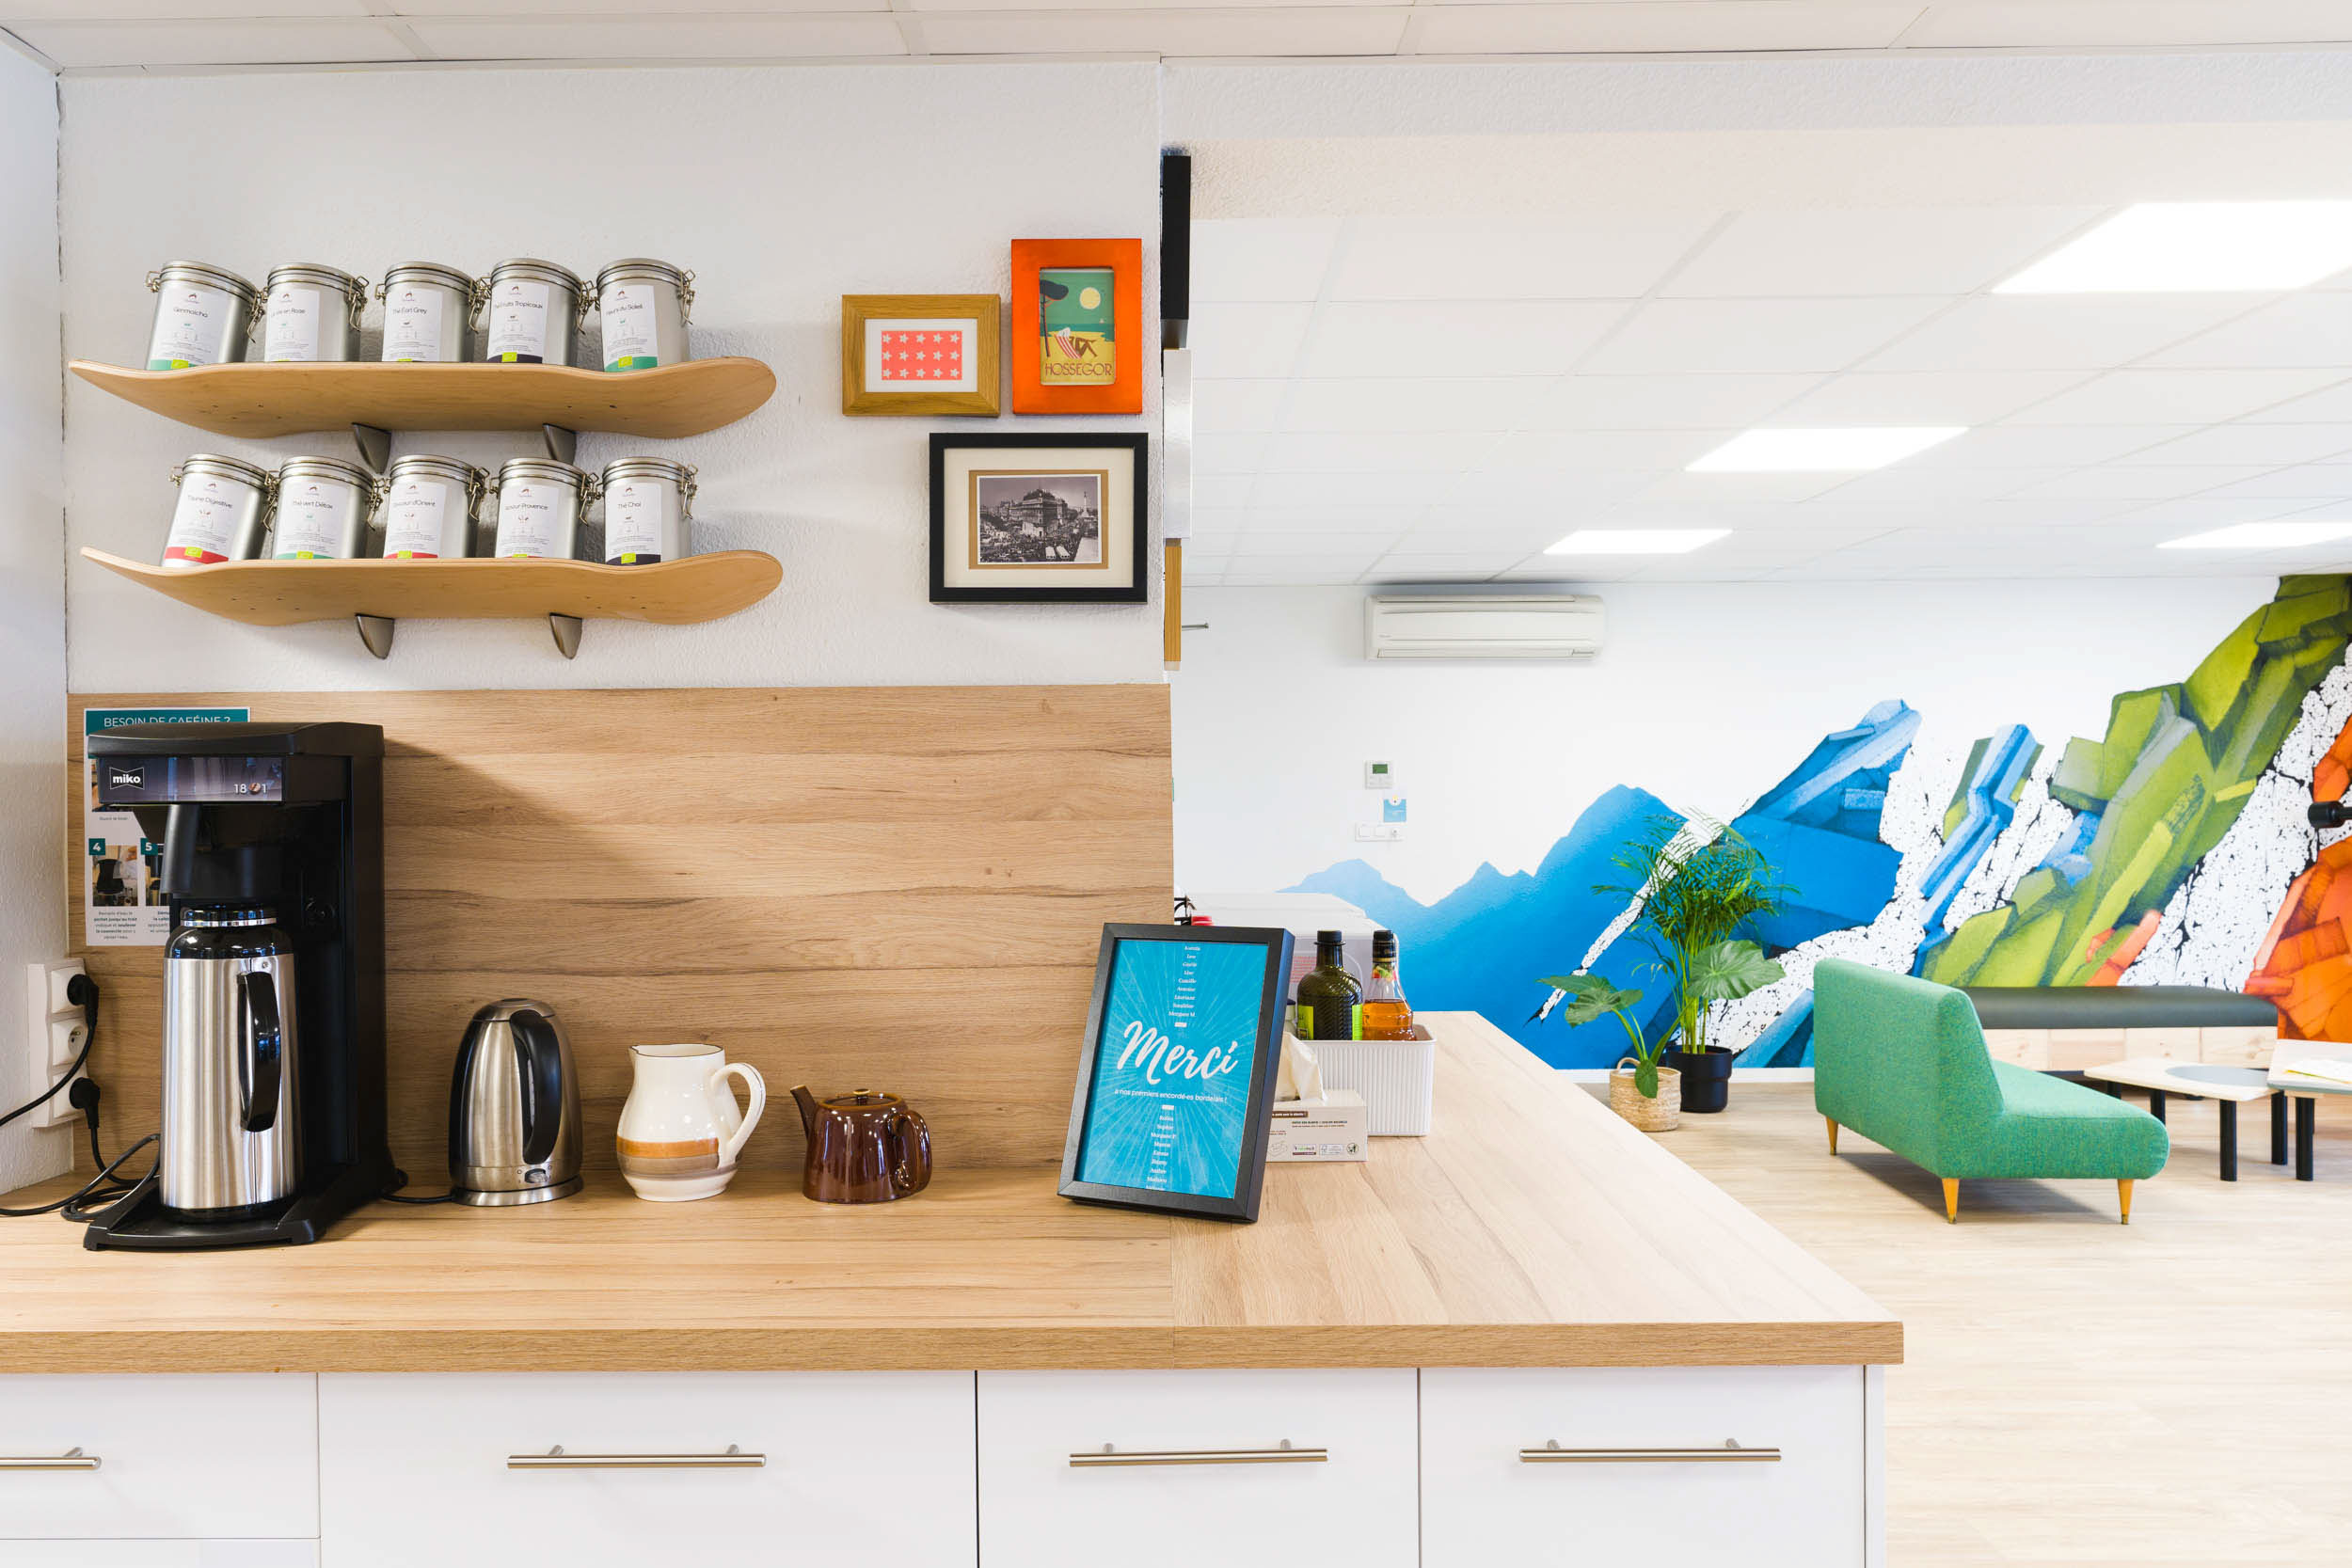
<point>1397,1078</point>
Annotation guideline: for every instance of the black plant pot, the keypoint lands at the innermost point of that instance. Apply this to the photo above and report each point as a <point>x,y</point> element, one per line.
<point>1706,1078</point>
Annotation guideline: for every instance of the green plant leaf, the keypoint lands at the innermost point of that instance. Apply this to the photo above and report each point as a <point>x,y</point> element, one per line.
<point>1726,971</point>
<point>1645,1080</point>
<point>1593,997</point>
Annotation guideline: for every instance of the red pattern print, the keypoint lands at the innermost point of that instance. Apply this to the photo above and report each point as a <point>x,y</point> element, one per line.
<point>927,355</point>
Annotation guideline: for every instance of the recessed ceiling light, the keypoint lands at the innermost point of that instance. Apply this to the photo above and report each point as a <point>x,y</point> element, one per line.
<point>2261,536</point>
<point>1636,541</point>
<point>1820,452</point>
<point>2197,247</point>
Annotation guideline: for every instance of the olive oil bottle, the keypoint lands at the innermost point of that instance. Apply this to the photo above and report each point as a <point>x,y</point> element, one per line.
<point>1330,1002</point>
<point>1386,1013</point>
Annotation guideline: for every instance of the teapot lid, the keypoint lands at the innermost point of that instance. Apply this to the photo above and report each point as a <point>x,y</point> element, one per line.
<point>860,1100</point>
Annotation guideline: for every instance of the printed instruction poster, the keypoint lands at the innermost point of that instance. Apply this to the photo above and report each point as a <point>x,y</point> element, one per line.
<point>1171,1072</point>
<point>122,888</point>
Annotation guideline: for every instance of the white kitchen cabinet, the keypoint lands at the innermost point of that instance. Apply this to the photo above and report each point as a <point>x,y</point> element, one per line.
<point>1652,1487</point>
<point>162,1554</point>
<point>424,1468</point>
<point>178,1458</point>
<point>1202,1475</point>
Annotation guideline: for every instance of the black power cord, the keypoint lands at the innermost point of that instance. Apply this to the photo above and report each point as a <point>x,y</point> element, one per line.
<point>105,1188</point>
<point>400,1180</point>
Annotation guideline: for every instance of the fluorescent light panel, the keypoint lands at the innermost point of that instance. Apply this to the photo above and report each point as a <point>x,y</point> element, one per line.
<point>2197,247</point>
<point>2262,536</point>
<point>1822,451</point>
<point>1636,541</point>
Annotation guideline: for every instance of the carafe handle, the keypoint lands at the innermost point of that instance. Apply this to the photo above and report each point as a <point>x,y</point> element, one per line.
<point>540,1061</point>
<point>261,1064</point>
<point>910,1153</point>
<point>756,1086</point>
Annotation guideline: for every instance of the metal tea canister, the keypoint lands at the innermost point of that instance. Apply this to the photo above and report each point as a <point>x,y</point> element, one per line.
<point>645,306</point>
<point>429,506</point>
<point>312,315</point>
<point>541,505</point>
<point>324,504</point>
<point>647,503</point>
<point>203,316</point>
<point>222,512</point>
<point>532,313</point>
<point>428,309</point>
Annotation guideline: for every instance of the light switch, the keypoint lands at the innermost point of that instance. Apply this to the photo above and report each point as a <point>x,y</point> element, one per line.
<point>1379,832</point>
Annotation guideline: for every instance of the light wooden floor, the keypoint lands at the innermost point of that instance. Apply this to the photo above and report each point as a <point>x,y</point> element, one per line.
<point>2177,1390</point>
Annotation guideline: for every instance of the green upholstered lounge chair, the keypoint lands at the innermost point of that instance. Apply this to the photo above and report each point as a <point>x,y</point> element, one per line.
<point>1902,1062</point>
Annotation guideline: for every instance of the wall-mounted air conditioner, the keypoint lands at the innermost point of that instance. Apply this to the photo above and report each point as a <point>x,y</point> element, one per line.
<point>1500,625</point>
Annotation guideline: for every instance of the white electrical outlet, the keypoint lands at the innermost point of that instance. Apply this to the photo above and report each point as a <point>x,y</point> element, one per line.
<point>55,1031</point>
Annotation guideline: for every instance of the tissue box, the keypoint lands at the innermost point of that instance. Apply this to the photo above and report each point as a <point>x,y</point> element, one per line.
<point>1331,1128</point>
<point>1397,1078</point>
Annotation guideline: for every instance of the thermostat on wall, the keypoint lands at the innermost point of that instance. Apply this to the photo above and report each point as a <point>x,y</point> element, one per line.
<point>1382,777</point>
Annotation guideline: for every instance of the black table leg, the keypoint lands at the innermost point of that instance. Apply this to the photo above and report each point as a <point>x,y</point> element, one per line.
<point>2278,1129</point>
<point>2156,1103</point>
<point>2229,1140</point>
<point>2306,1128</point>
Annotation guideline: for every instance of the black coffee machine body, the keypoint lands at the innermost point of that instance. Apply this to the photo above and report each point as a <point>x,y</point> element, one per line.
<point>273,1034</point>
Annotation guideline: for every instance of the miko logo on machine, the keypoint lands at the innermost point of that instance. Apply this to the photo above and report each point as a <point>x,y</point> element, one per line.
<point>127,778</point>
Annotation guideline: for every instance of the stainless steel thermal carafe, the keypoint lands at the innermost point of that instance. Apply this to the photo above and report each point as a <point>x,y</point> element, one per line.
<point>231,1123</point>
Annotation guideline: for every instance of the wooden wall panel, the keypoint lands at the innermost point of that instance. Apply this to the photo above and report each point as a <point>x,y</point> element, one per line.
<point>890,887</point>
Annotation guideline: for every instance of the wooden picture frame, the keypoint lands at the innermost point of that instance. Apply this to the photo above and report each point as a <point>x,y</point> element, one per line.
<point>873,326</point>
<point>1201,1153</point>
<point>1046,379</point>
<point>1009,517</point>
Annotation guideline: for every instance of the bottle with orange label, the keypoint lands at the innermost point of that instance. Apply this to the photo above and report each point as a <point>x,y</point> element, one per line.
<point>1386,1013</point>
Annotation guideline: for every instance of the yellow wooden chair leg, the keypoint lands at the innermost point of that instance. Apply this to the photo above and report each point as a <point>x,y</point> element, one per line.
<point>2123,1197</point>
<point>1951,1201</point>
<point>1833,1134</point>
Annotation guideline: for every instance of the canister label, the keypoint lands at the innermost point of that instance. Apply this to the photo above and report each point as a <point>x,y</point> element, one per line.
<point>204,521</point>
<point>635,515</point>
<point>412,326</point>
<point>629,340</point>
<point>310,516</point>
<point>518,322</point>
<point>190,323</point>
<point>527,522</point>
<point>416,521</point>
<point>292,334</point>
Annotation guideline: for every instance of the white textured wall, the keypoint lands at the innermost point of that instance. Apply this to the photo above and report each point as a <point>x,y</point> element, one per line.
<point>1705,694</point>
<point>32,585</point>
<point>782,188</point>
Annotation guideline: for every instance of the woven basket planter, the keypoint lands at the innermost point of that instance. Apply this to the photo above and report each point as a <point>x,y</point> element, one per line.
<point>1662,1114</point>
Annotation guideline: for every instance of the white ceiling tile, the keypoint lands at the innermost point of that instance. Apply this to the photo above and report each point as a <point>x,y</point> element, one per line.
<point>1254,547</point>
<point>1666,401</point>
<point>698,38</point>
<point>2132,482</point>
<point>86,45</point>
<point>1384,402</point>
<point>1218,490</point>
<point>1236,341</point>
<point>566,8</point>
<point>2124,23</point>
<point>1616,449</point>
<point>2308,480</point>
<point>1909,488</point>
<point>1527,535</point>
<point>1258,31</point>
<point>2027,332</point>
<point>1334,566</point>
<point>1543,490</point>
<point>12,11</point>
<point>1876,250</point>
<point>1445,337</point>
<point>1332,519</point>
<point>1223,452</point>
<point>2174,397</point>
<point>2015,446</point>
<point>1619,254</point>
<point>2190,513</point>
<point>1258,259</point>
<point>1924,397</point>
<point>2243,443</point>
<point>2300,329</point>
<point>1237,405</point>
<point>1738,489</point>
<point>2332,406</point>
<point>1077,5</point>
<point>1442,452</point>
<point>1663,26</point>
<point>1320,490</point>
<point>1706,336</point>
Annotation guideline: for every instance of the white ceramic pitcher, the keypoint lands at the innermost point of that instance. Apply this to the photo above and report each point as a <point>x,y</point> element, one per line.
<point>680,1130</point>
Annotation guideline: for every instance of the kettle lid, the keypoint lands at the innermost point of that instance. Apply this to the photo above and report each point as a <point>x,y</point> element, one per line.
<point>501,1011</point>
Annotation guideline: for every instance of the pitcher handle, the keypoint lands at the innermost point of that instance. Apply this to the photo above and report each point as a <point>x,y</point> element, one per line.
<point>753,1085</point>
<point>911,1154</point>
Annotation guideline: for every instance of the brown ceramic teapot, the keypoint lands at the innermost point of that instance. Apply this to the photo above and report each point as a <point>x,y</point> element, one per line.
<point>862,1147</point>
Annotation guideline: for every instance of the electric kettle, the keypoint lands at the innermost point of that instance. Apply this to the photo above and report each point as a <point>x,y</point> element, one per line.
<point>514,1109</point>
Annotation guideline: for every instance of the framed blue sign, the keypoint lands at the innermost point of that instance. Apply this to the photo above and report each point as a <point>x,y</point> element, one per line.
<point>1176,1083</point>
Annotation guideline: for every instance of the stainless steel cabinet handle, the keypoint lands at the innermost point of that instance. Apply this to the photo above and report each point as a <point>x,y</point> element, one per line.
<point>1730,1453</point>
<point>73,1459</point>
<point>556,1459</point>
<point>1109,1458</point>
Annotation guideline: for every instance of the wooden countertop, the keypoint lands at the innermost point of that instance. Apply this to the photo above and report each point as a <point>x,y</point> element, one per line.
<point>1531,1228</point>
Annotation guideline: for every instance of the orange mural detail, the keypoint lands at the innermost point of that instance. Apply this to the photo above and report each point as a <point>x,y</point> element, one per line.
<point>2305,964</point>
<point>2111,967</point>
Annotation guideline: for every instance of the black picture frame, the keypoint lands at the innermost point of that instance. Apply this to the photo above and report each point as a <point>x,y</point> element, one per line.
<point>1137,589</point>
<point>1249,1177</point>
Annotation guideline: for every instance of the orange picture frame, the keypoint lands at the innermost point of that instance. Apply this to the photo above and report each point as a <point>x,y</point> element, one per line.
<point>1059,377</point>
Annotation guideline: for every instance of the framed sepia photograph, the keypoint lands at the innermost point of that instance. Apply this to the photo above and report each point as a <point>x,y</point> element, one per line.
<point>1077,326</point>
<point>1040,518</point>
<point>921,355</point>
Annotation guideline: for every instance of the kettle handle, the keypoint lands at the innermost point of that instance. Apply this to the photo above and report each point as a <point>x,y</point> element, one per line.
<point>911,1154</point>
<point>540,1061</point>
<point>261,1065</point>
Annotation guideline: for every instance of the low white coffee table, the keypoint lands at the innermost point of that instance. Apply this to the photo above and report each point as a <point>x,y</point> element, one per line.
<point>2228,1086</point>
<point>2306,1091</point>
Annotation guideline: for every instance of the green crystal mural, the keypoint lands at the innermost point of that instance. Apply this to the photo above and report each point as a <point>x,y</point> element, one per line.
<point>2164,785</point>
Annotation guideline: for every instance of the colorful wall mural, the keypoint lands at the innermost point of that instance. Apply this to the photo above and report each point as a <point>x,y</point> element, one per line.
<point>2174,850</point>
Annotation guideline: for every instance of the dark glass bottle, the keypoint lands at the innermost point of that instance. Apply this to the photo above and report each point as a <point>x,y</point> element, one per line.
<point>1330,1002</point>
<point>1386,1013</point>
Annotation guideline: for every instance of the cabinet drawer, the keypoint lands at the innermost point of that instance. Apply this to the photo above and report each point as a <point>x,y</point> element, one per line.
<point>1646,1492</point>
<point>424,1468</point>
<point>221,1455</point>
<point>1201,1473</point>
<point>162,1554</point>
